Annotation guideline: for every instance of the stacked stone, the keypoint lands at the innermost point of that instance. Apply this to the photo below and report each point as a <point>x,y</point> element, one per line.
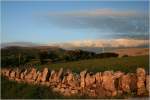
<point>141,77</point>
<point>108,83</point>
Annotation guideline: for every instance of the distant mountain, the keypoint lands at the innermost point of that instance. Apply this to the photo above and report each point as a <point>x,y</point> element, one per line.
<point>53,47</point>
<point>21,44</point>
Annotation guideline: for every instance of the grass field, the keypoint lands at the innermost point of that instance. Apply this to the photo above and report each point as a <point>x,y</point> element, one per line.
<point>126,64</point>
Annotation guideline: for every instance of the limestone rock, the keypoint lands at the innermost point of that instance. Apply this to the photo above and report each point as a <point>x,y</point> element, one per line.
<point>74,91</point>
<point>98,77</point>
<point>140,81</point>
<point>12,74</point>
<point>44,75</point>
<point>118,74</point>
<point>82,77</point>
<point>7,72</point>
<point>92,93</point>
<point>89,79</point>
<point>18,73</point>
<point>62,90</point>
<point>23,73</point>
<point>108,82</point>
<point>32,74</point>
<point>35,75</point>
<point>125,83</point>
<point>67,92</point>
<point>72,80</point>
<point>54,76</point>
<point>22,76</point>
<point>38,76</point>
<point>28,76</point>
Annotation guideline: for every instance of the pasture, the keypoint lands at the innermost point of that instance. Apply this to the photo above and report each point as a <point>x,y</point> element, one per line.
<point>126,64</point>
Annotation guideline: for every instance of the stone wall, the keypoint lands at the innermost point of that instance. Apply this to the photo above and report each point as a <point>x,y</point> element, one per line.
<point>67,83</point>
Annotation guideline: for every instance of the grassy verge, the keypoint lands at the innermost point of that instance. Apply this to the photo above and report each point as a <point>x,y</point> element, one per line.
<point>13,90</point>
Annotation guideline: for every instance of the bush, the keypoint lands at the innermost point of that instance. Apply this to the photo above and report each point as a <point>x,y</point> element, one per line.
<point>125,56</point>
<point>106,55</point>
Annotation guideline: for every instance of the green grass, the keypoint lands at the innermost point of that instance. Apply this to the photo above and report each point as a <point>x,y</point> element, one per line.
<point>14,90</point>
<point>126,64</point>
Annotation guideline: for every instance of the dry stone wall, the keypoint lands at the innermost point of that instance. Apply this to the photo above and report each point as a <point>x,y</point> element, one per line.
<point>67,83</point>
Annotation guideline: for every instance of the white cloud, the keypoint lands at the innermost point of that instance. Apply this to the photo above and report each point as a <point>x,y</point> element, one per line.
<point>96,12</point>
<point>104,43</point>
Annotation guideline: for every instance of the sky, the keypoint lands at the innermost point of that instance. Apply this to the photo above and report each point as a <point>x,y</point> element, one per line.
<point>78,23</point>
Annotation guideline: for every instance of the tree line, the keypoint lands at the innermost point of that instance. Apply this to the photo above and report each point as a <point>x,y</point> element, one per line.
<point>15,56</point>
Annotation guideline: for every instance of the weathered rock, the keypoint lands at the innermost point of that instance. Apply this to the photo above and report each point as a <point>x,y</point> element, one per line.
<point>35,75</point>
<point>117,74</point>
<point>74,91</point>
<point>7,72</point>
<point>141,81</point>
<point>28,76</point>
<point>108,82</point>
<point>71,79</point>
<point>31,75</point>
<point>25,72</point>
<point>12,74</point>
<point>38,76</point>
<point>62,90</point>
<point>98,77</point>
<point>44,75</point>
<point>53,77</point>
<point>82,77</point>
<point>125,83</point>
<point>67,92</point>
<point>63,85</point>
<point>22,76</point>
<point>100,91</point>
<point>64,80</point>
<point>92,93</point>
<point>18,73</point>
<point>89,80</point>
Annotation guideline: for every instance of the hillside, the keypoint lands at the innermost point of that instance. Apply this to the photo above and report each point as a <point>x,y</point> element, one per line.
<point>132,51</point>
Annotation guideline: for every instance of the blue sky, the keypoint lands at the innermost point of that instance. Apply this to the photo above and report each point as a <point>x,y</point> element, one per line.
<point>46,22</point>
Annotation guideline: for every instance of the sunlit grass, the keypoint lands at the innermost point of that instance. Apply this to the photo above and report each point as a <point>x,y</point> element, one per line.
<point>126,64</point>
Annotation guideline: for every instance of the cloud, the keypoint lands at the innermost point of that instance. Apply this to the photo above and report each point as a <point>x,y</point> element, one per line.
<point>120,24</point>
<point>104,43</point>
<point>96,12</point>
